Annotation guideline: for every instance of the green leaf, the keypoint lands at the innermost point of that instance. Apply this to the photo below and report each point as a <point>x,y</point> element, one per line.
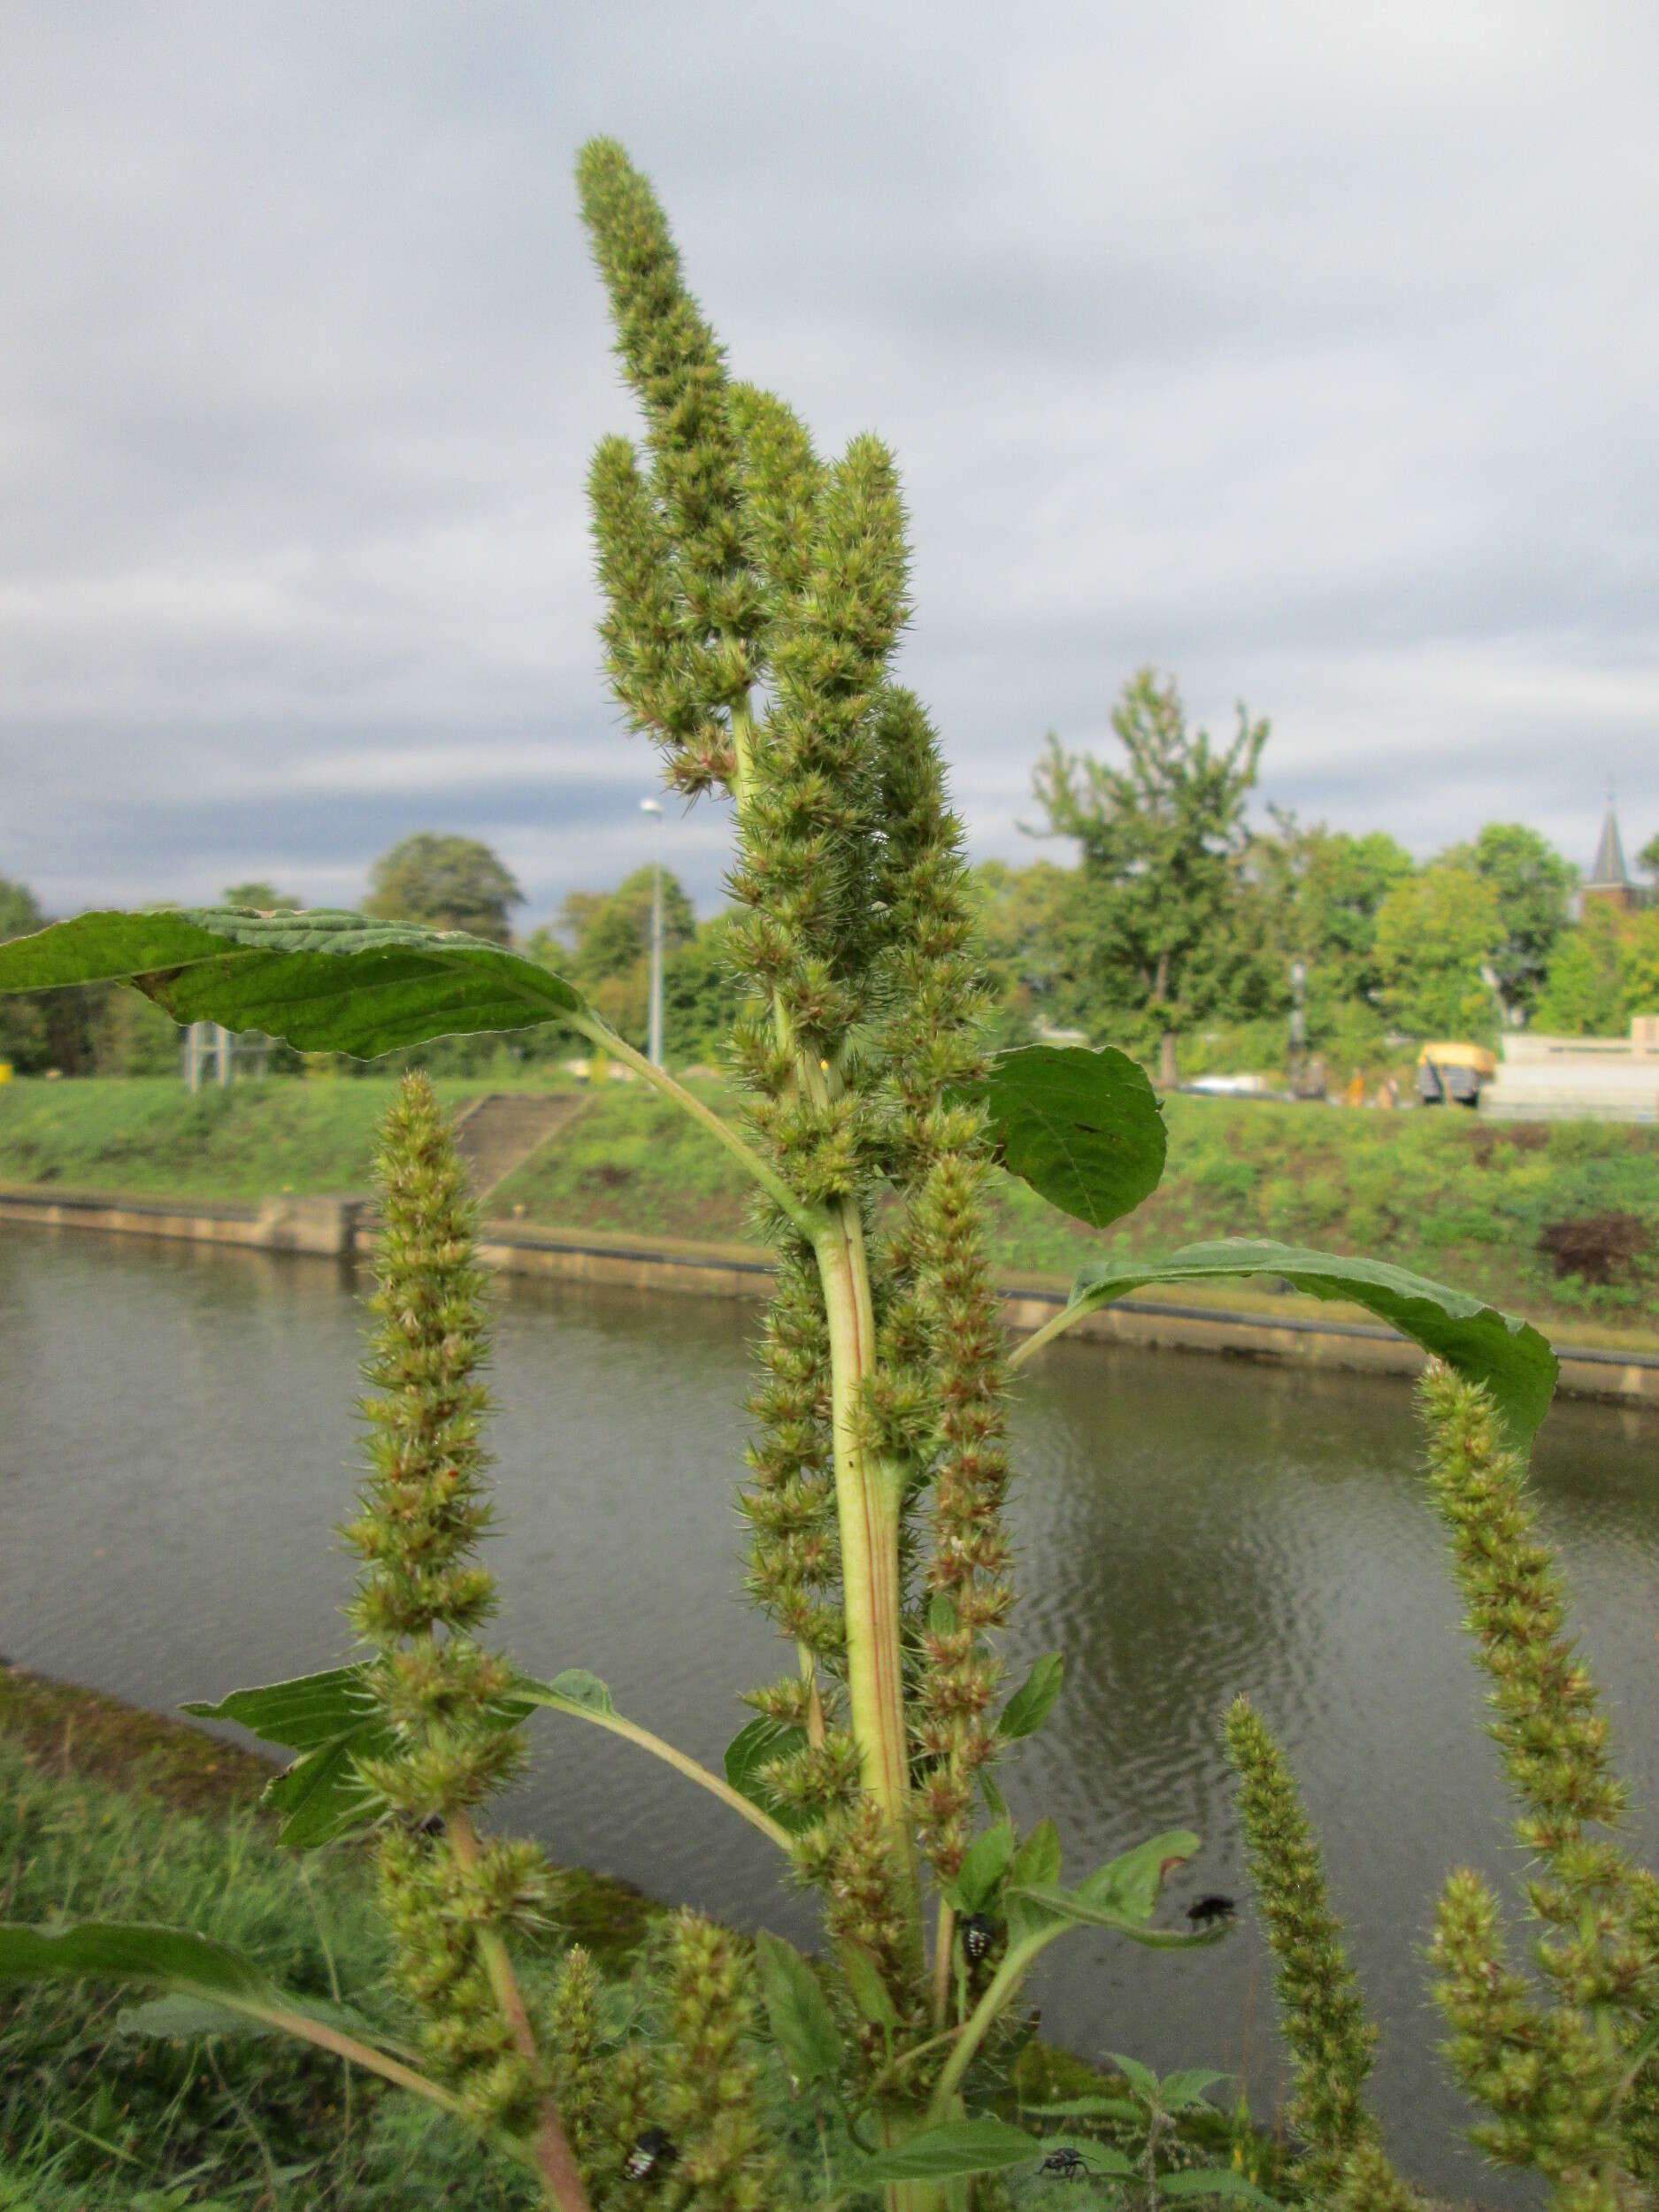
<point>1130,1884</point>
<point>985,2145</point>
<point>749,1752</point>
<point>577,1689</point>
<point>984,1864</point>
<point>322,981</point>
<point>310,1710</point>
<point>1187,2087</point>
<point>1216,2181</point>
<point>1139,2077</point>
<point>179,2016</point>
<point>1038,1858</point>
<point>1031,1704</point>
<point>1087,2108</point>
<point>1483,1345</point>
<point>127,1951</point>
<point>1084,1129</point>
<point>869,1991</point>
<point>995,1803</point>
<point>322,1796</point>
<point>802,2025</point>
<point>1066,1904</point>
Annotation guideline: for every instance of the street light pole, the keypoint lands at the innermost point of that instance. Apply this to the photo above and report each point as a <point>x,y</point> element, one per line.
<point>655,1048</point>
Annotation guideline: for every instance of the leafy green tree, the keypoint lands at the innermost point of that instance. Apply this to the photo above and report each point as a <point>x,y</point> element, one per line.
<point>1532,884</point>
<point>610,932</point>
<point>1163,836</point>
<point>1648,858</point>
<point>1435,935</point>
<point>1605,972</point>
<point>263,897</point>
<point>452,882</point>
<point>1323,889</point>
<point>23,1021</point>
<point>1033,927</point>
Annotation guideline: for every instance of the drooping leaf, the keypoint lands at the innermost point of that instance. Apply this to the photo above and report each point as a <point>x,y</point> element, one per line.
<point>181,2017</point>
<point>869,1991</point>
<point>1216,2181</point>
<point>983,2146</point>
<point>333,1721</point>
<point>322,981</point>
<point>751,1752</point>
<point>1483,1345</point>
<point>1031,1704</point>
<point>1130,1883</point>
<point>802,2025</point>
<point>984,1864</point>
<point>1084,1129</point>
<point>1066,1904</point>
<point>995,1803</point>
<point>301,1714</point>
<point>130,1951</point>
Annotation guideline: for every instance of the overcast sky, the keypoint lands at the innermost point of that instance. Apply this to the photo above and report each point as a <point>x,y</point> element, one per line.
<point>1309,353</point>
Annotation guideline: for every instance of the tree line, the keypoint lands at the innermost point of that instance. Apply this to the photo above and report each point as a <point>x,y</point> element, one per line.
<point>1173,927</point>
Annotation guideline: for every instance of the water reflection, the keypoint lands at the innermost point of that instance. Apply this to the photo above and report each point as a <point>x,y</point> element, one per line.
<point>177,1445</point>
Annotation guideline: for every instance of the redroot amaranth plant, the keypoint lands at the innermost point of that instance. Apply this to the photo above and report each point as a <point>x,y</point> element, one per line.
<point>755,594</point>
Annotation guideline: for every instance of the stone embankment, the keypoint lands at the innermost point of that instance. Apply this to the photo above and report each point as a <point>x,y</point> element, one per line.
<point>342,1228</point>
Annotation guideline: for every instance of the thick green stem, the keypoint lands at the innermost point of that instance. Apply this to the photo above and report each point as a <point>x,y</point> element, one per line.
<point>867,1506</point>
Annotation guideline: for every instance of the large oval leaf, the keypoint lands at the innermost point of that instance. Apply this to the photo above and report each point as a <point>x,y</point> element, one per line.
<point>322,982</point>
<point>1508,1355</point>
<point>1084,1129</point>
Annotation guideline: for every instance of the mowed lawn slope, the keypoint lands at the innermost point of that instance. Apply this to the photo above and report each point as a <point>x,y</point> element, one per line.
<point>1558,1221</point>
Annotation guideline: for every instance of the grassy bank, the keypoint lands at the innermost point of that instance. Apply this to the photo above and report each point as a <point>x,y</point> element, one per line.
<point>113,1814</point>
<point>110,1813</point>
<point>1559,1221</point>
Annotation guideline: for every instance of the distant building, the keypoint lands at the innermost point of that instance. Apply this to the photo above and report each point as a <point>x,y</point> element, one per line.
<point>1609,877</point>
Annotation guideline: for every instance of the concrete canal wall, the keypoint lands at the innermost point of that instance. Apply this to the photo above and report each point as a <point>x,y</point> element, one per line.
<point>340,1228</point>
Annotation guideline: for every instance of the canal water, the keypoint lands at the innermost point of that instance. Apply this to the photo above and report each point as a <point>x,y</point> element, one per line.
<point>177,1445</point>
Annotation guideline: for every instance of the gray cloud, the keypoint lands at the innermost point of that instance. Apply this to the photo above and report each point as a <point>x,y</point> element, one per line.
<point>1309,353</point>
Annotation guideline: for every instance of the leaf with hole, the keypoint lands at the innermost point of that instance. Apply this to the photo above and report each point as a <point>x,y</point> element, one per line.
<point>1483,1345</point>
<point>1083,1128</point>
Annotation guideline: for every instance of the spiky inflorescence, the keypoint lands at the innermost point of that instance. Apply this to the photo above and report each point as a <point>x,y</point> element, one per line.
<point>1601,1950</point>
<point>1324,2015</point>
<point>1548,2076</point>
<point>939,1395</point>
<point>422,1594</point>
<point>710,2096</point>
<point>740,560</point>
<point>579,2069</point>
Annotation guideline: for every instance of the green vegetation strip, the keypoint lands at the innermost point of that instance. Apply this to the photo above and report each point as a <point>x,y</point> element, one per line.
<point>1559,1222</point>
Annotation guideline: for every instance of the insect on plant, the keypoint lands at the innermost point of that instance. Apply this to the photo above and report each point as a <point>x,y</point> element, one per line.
<point>755,591</point>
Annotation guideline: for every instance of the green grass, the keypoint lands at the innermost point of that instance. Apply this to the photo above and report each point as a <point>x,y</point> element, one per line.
<point>109,1813</point>
<point>1445,1193</point>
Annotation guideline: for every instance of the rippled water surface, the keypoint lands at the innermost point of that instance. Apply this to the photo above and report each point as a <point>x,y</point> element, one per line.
<point>177,1444</point>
